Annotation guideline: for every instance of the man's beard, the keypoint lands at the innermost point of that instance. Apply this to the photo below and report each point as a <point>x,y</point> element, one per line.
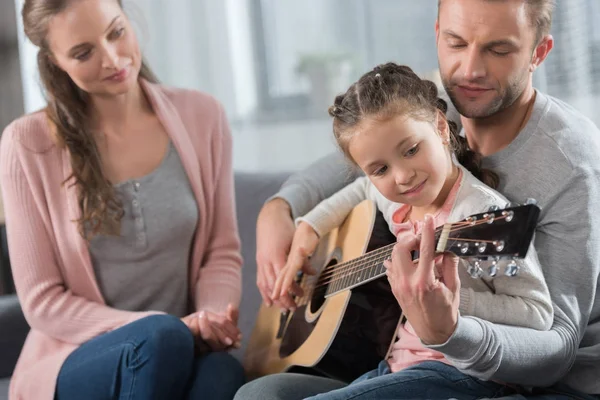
<point>480,111</point>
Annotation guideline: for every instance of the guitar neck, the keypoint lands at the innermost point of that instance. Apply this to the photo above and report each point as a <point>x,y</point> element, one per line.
<point>495,234</point>
<point>358,271</point>
<point>361,270</point>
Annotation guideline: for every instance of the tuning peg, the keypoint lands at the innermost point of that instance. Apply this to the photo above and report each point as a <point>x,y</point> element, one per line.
<point>493,208</point>
<point>493,269</point>
<point>531,201</point>
<point>489,218</point>
<point>508,215</point>
<point>474,269</point>
<point>481,246</point>
<point>499,245</point>
<point>512,269</point>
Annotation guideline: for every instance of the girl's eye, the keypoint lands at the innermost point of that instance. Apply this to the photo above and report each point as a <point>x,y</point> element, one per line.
<point>84,55</point>
<point>380,171</point>
<point>412,151</point>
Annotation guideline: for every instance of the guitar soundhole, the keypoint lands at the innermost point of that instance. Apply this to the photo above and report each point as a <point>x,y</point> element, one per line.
<point>318,295</point>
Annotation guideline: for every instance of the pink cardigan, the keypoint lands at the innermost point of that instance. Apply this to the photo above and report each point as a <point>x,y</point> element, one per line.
<point>52,269</point>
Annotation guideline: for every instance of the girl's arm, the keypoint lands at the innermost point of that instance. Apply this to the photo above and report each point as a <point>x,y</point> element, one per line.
<point>331,212</point>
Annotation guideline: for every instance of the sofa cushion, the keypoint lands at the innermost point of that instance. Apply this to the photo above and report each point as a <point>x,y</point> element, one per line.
<point>4,388</point>
<point>11,340</point>
<point>251,191</point>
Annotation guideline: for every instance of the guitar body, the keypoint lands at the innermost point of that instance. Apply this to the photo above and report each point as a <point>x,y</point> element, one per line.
<point>341,336</point>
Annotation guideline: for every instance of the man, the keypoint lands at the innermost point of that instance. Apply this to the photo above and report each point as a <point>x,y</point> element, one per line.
<point>540,148</point>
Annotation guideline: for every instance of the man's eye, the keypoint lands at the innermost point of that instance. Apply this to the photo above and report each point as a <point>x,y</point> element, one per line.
<point>499,53</point>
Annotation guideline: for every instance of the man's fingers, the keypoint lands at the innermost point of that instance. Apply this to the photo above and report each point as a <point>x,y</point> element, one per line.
<point>265,292</point>
<point>275,293</point>
<point>401,255</point>
<point>270,276</point>
<point>449,272</point>
<point>427,251</point>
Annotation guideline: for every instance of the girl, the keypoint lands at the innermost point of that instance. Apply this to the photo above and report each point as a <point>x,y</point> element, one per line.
<point>121,223</point>
<point>392,125</point>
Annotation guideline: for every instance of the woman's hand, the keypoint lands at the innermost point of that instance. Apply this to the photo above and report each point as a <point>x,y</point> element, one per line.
<point>215,332</point>
<point>428,292</point>
<point>304,244</point>
<point>274,234</point>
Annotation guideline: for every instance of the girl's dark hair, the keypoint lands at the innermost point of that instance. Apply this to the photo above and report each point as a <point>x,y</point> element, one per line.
<point>390,90</point>
<point>68,112</point>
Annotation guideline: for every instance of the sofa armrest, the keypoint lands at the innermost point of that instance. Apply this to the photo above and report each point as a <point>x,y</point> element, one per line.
<point>13,331</point>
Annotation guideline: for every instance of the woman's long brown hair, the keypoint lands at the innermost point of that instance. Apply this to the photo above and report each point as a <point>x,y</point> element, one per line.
<point>68,112</point>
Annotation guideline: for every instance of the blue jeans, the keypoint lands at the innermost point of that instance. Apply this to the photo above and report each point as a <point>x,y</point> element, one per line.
<point>152,358</point>
<point>427,380</point>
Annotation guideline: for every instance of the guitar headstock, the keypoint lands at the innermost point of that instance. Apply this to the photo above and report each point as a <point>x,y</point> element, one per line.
<point>487,238</point>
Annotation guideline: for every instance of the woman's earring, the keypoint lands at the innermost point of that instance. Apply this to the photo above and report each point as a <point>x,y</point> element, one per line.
<point>445,142</point>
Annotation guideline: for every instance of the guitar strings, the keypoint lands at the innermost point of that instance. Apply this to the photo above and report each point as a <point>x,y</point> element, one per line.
<point>338,272</point>
<point>342,271</point>
<point>356,265</point>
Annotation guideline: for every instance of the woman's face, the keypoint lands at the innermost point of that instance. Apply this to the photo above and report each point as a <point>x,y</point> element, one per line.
<point>94,43</point>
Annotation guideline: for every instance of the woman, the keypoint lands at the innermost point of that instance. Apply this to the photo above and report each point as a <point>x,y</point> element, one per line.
<point>121,222</point>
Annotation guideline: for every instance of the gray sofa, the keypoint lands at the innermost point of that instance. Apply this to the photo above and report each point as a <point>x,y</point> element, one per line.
<point>252,189</point>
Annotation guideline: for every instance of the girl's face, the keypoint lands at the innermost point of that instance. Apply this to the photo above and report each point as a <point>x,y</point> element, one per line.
<point>94,43</point>
<point>407,160</point>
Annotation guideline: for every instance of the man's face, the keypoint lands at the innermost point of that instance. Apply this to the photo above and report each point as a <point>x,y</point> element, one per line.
<point>485,53</point>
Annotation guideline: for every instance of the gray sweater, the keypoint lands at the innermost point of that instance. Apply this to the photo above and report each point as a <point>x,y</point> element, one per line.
<point>146,267</point>
<point>556,160</point>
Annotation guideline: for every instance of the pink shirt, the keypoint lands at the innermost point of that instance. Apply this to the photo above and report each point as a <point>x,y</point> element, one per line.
<point>408,350</point>
<point>51,263</point>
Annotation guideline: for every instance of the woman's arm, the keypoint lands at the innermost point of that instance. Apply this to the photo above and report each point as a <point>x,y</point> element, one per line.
<point>49,304</point>
<point>219,279</point>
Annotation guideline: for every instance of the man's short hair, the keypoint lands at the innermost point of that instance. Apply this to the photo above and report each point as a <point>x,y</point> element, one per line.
<point>540,15</point>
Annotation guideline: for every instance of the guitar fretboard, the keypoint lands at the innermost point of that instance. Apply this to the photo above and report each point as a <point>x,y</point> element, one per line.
<point>363,269</point>
<point>358,271</point>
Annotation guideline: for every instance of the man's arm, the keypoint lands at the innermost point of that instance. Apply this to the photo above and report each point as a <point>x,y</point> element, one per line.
<point>298,195</point>
<point>307,188</point>
<point>568,244</point>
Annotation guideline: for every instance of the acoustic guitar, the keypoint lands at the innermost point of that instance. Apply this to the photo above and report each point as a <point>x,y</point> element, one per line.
<point>346,322</point>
